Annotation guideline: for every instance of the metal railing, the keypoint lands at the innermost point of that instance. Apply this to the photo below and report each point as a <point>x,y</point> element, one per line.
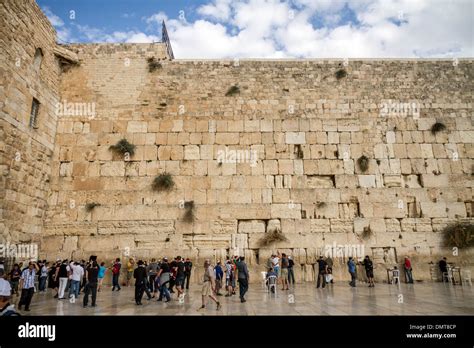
<point>166,40</point>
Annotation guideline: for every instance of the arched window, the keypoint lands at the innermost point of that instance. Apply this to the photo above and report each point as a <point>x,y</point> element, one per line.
<point>38,59</point>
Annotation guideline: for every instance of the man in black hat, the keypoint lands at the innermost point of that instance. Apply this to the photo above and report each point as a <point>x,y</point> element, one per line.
<point>140,282</point>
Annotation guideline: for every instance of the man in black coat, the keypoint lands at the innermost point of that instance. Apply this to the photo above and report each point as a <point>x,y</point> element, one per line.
<point>140,282</point>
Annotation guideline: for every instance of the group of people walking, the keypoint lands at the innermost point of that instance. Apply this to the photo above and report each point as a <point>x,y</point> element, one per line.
<point>160,278</point>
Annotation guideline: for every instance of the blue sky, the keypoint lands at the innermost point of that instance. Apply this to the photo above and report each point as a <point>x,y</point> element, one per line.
<point>275,28</point>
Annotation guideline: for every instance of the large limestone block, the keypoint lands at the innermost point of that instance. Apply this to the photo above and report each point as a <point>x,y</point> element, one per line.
<point>288,211</point>
<point>191,152</point>
<point>295,138</point>
<point>252,226</point>
<point>113,168</point>
<point>367,181</point>
<point>433,210</point>
<point>137,127</point>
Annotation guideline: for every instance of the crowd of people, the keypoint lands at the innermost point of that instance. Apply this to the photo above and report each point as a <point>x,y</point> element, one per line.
<point>159,278</point>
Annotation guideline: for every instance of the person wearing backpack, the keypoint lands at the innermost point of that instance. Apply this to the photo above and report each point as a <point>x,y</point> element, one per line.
<point>116,274</point>
<point>6,309</point>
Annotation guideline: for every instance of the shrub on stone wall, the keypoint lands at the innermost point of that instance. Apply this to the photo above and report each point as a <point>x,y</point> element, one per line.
<point>437,127</point>
<point>153,64</point>
<point>459,234</point>
<point>91,206</point>
<point>163,182</point>
<point>189,215</point>
<point>272,236</point>
<point>232,91</point>
<point>341,73</point>
<point>363,163</point>
<point>123,147</point>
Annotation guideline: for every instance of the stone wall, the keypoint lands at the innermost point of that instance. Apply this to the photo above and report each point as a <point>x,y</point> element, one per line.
<point>25,152</point>
<point>297,130</point>
<point>307,129</point>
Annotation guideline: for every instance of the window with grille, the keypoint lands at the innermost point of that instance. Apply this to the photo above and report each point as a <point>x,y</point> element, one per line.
<point>34,113</point>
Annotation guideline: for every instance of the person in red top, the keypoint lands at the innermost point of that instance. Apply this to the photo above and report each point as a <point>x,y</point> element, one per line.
<point>116,274</point>
<point>408,270</point>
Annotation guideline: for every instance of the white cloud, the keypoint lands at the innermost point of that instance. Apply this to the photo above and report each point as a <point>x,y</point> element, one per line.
<point>132,36</point>
<point>307,28</point>
<point>219,10</point>
<point>55,20</point>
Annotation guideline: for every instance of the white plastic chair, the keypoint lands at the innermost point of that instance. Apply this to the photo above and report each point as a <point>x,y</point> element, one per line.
<point>395,276</point>
<point>272,283</point>
<point>466,277</point>
<point>264,279</point>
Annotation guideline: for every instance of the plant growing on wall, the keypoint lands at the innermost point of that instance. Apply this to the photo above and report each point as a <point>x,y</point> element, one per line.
<point>232,91</point>
<point>189,215</point>
<point>299,152</point>
<point>163,182</point>
<point>437,127</point>
<point>123,147</point>
<point>341,73</point>
<point>153,64</point>
<point>459,234</point>
<point>367,232</point>
<point>275,235</point>
<point>363,163</point>
<point>91,206</point>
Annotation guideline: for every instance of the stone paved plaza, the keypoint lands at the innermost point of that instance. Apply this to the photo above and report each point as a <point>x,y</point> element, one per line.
<point>338,299</point>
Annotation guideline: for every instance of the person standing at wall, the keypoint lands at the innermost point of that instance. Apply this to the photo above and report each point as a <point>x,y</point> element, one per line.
<point>130,267</point>
<point>101,275</point>
<point>116,274</point>
<point>43,276</point>
<point>408,270</point>
<point>62,277</point>
<point>208,286</point>
<point>27,285</point>
<point>243,277</point>
<point>329,276</point>
<point>229,275</point>
<point>443,267</point>
<point>351,267</point>
<point>188,265</point>
<point>180,276</point>
<point>369,270</point>
<point>92,279</point>
<point>219,273</point>
<point>284,271</point>
<point>322,270</point>
<point>291,274</point>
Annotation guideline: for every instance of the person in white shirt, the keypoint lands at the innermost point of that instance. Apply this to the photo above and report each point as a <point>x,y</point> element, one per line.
<point>76,277</point>
<point>61,276</point>
<point>27,285</point>
<point>276,265</point>
<point>43,276</point>
<point>6,309</point>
